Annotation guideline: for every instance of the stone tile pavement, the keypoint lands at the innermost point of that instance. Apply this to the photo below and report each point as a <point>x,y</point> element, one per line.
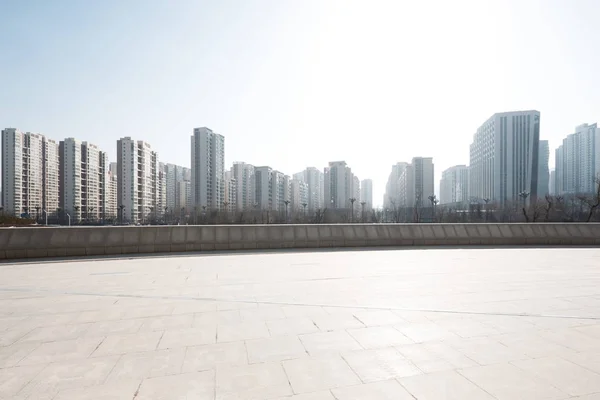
<point>338,325</point>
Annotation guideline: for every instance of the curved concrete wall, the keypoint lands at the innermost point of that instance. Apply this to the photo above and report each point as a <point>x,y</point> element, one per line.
<point>82,241</point>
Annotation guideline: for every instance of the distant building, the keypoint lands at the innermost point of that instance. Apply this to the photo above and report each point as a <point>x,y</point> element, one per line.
<point>208,169</point>
<point>454,185</point>
<point>29,173</point>
<point>263,192</point>
<point>552,183</point>
<point>299,195</point>
<point>543,169</point>
<point>243,174</point>
<point>137,172</point>
<point>391,198</point>
<point>366,193</point>
<point>578,161</point>
<point>230,192</point>
<point>339,185</point>
<point>315,180</point>
<point>504,158</point>
<point>416,183</point>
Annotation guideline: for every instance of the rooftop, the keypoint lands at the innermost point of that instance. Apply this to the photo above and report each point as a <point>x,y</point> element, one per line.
<point>385,324</point>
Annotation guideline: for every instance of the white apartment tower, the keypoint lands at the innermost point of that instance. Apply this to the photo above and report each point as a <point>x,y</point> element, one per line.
<point>161,197</point>
<point>208,169</point>
<point>137,171</point>
<point>112,197</point>
<point>391,198</point>
<point>299,194</point>
<point>366,193</point>
<point>339,185</point>
<point>416,183</point>
<point>231,194</point>
<point>578,161</point>
<point>243,174</point>
<point>454,185</point>
<point>504,158</point>
<point>263,179</point>
<point>177,193</point>
<point>29,173</point>
<point>543,187</point>
<point>315,180</point>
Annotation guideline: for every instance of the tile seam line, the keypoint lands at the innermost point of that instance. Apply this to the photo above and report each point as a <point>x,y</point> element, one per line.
<point>341,306</point>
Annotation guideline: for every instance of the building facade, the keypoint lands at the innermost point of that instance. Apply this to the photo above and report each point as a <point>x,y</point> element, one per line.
<point>315,180</point>
<point>504,158</point>
<point>339,185</point>
<point>578,162</point>
<point>29,174</point>
<point>299,193</point>
<point>454,185</point>
<point>391,198</point>
<point>137,171</point>
<point>543,181</point>
<point>366,193</point>
<point>208,169</point>
<point>243,174</point>
<point>263,179</point>
<point>416,183</point>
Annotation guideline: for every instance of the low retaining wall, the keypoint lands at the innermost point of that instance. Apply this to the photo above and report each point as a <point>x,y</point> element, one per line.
<point>87,241</point>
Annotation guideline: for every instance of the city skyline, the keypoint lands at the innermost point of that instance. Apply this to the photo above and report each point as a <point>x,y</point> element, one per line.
<point>304,76</point>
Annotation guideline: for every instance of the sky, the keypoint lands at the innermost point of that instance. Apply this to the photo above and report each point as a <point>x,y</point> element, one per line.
<point>298,83</point>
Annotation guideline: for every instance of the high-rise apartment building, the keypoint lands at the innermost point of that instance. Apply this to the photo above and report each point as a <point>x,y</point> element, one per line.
<point>504,158</point>
<point>391,198</point>
<point>552,183</point>
<point>243,174</point>
<point>137,171</point>
<point>230,192</point>
<point>416,183</point>
<point>112,196</point>
<point>263,179</point>
<point>70,178</point>
<point>29,173</point>
<point>366,193</point>
<point>161,190</point>
<point>299,194</point>
<point>208,169</point>
<point>454,185</point>
<point>578,161</point>
<point>315,180</point>
<point>281,190</point>
<point>356,189</point>
<point>51,177</point>
<point>177,194</point>
<point>543,169</point>
<point>339,185</point>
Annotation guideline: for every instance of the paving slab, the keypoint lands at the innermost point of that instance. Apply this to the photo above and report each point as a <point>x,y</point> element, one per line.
<point>299,325</point>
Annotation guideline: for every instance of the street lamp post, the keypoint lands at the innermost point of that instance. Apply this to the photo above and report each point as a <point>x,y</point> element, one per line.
<point>352,200</point>
<point>46,213</point>
<point>69,217</point>
<point>287,203</point>
<point>122,208</point>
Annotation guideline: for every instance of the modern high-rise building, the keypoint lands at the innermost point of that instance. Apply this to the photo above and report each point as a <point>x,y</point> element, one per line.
<point>339,185</point>
<point>176,193</point>
<point>299,194</point>
<point>356,189</point>
<point>578,161</point>
<point>552,183</point>
<point>84,180</point>
<point>454,185</point>
<point>391,198</point>
<point>161,196</point>
<point>137,171</point>
<point>504,158</point>
<point>29,174</point>
<point>208,169</point>
<point>51,177</point>
<point>112,196</point>
<point>366,193</point>
<point>543,187</point>
<point>263,179</point>
<point>281,190</point>
<point>230,192</point>
<point>243,174</point>
<point>315,180</point>
<point>416,183</point>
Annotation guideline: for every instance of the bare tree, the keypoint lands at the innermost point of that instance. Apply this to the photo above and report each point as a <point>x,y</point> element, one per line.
<point>592,202</point>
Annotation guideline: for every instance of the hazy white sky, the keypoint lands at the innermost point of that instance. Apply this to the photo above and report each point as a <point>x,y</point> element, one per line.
<point>296,83</point>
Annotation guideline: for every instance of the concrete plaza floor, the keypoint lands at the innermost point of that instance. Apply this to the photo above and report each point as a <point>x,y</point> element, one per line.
<point>371,324</point>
